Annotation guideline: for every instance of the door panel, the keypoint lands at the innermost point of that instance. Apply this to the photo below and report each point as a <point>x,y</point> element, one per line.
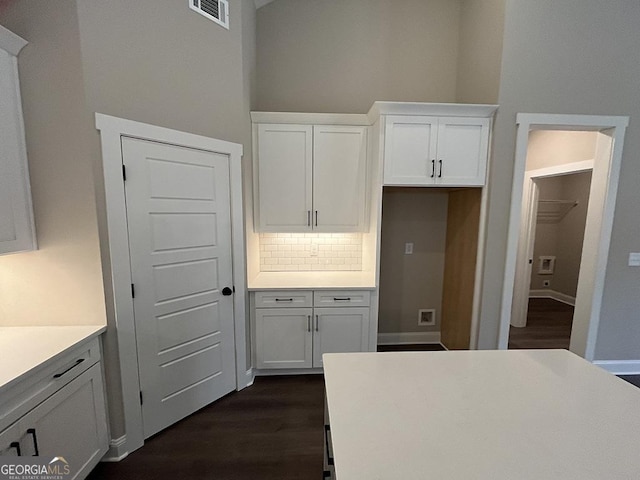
<point>410,148</point>
<point>340,330</point>
<point>284,175</point>
<point>339,171</point>
<point>462,148</point>
<point>178,213</point>
<point>284,337</point>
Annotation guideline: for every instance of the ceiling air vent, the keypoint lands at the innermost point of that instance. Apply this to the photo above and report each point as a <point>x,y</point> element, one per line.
<point>216,10</point>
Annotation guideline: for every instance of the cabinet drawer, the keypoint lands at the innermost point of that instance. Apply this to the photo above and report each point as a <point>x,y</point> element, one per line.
<point>42,384</point>
<point>283,299</point>
<point>341,298</point>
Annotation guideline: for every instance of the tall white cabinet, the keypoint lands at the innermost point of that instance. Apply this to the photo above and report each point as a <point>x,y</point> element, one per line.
<point>17,231</point>
<point>309,177</point>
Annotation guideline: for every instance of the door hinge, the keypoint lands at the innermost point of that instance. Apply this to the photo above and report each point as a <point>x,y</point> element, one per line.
<point>133,291</point>
<point>124,173</point>
<point>141,399</point>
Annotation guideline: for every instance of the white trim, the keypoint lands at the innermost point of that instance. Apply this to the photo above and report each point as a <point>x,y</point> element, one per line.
<point>10,42</point>
<point>117,450</point>
<point>620,367</point>
<point>286,371</point>
<point>250,376</point>
<point>560,297</point>
<point>405,338</point>
<point>111,131</point>
<point>526,238</point>
<point>607,174</point>
<point>431,109</point>
<point>298,118</point>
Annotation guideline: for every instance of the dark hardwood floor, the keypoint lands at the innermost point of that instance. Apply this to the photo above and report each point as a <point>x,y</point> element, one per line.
<point>548,326</point>
<point>271,430</point>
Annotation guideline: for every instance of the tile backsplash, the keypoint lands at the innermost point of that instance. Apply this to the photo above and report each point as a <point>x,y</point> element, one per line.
<point>298,252</point>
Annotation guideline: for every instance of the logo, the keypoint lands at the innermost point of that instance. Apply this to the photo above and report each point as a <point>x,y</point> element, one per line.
<point>34,468</point>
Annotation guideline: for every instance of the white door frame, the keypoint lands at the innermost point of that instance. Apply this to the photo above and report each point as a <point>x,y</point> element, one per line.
<point>527,235</point>
<point>599,220</point>
<point>111,131</point>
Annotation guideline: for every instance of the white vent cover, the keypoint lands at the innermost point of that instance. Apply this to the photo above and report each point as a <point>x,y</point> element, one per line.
<point>216,10</point>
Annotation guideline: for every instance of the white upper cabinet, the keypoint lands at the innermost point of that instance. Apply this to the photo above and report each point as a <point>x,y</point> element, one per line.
<point>423,150</point>
<point>284,173</point>
<point>310,178</point>
<point>17,232</point>
<point>339,161</point>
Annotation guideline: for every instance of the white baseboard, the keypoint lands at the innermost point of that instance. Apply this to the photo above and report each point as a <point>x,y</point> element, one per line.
<point>287,371</point>
<point>561,297</point>
<point>117,450</point>
<point>250,376</point>
<point>619,367</point>
<point>408,337</point>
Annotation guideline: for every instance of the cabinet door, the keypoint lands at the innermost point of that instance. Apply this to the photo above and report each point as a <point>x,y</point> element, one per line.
<point>462,151</point>
<point>10,441</point>
<point>283,337</point>
<point>339,173</point>
<point>70,424</point>
<point>410,150</point>
<point>17,231</point>
<point>284,178</point>
<point>340,330</point>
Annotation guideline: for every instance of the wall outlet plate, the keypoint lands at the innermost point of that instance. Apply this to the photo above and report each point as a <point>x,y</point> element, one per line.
<point>427,317</point>
<point>546,283</point>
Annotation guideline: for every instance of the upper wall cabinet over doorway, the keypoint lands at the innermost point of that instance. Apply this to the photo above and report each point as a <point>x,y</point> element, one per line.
<point>435,144</point>
<point>309,177</point>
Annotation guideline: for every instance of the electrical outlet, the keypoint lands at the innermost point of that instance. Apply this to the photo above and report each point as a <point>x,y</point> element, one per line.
<point>408,248</point>
<point>546,283</point>
<point>314,250</point>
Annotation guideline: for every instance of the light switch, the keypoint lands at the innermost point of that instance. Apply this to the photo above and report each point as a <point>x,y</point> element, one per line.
<point>408,248</point>
<point>634,259</point>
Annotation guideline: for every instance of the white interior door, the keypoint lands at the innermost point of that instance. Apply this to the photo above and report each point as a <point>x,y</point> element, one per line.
<point>178,214</point>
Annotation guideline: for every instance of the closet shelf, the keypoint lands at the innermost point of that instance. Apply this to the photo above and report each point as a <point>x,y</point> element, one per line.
<point>552,211</point>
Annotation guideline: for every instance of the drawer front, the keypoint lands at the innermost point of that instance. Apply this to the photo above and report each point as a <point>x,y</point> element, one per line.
<point>341,298</point>
<point>283,299</point>
<point>47,380</point>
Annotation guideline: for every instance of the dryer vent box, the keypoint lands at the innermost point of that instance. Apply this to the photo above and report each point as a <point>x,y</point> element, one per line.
<point>427,317</point>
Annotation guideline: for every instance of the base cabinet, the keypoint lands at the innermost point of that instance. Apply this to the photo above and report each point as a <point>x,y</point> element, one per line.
<point>292,337</point>
<point>71,423</point>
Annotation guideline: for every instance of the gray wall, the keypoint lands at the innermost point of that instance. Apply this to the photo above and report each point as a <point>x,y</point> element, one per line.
<point>61,282</point>
<point>480,51</point>
<point>153,61</point>
<point>341,56</point>
<point>411,282</point>
<point>571,56</point>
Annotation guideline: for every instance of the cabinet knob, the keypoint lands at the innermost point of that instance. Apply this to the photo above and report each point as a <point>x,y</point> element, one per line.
<point>226,291</point>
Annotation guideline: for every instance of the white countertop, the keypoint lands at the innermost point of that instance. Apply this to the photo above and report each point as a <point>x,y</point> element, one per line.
<point>24,348</point>
<point>518,414</point>
<point>312,280</point>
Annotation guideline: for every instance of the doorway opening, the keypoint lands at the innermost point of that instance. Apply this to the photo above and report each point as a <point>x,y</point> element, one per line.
<point>552,147</point>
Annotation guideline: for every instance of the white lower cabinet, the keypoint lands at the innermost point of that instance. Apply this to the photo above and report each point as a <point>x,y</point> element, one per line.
<point>70,423</point>
<point>292,337</point>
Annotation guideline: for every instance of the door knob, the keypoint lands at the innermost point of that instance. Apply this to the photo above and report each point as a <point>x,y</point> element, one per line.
<point>226,291</point>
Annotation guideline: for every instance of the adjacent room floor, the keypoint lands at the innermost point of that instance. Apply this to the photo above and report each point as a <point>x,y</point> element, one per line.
<point>548,326</point>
